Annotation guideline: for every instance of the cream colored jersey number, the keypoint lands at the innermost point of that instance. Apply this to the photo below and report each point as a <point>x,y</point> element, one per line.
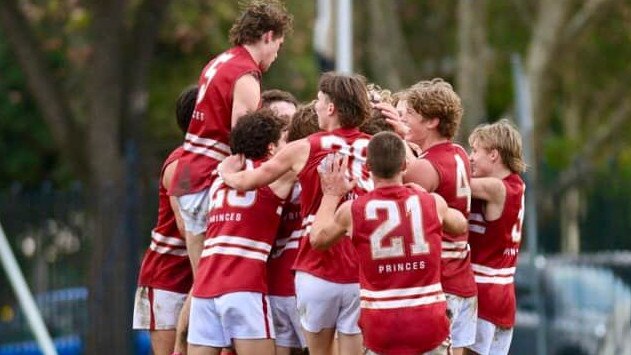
<point>462,181</point>
<point>357,157</point>
<point>234,198</point>
<point>516,231</point>
<point>210,74</point>
<point>393,219</point>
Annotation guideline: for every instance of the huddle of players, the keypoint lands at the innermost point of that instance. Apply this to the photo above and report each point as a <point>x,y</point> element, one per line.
<point>406,279</point>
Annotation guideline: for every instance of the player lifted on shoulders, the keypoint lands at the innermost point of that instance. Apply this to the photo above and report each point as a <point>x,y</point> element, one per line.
<point>229,87</point>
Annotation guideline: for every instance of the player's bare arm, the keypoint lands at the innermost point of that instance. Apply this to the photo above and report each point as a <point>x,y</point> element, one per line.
<point>423,173</point>
<point>284,185</point>
<point>453,220</point>
<point>292,157</point>
<point>491,190</point>
<point>329,226</point>
<point>246,97</point>
<point>167,177</point>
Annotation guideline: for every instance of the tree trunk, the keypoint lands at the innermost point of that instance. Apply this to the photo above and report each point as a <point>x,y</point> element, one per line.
<point>551,17</point>
<point>389,59</point>
<point>472,76</point>
<point>109,295</point>
<point>571,201</point>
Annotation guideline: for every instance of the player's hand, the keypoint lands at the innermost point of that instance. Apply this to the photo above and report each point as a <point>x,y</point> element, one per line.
<point>393,118</point>
<point>332,170</point>
<point>231,164</point>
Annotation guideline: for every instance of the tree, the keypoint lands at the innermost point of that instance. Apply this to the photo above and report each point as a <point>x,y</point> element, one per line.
<point>87,129</point>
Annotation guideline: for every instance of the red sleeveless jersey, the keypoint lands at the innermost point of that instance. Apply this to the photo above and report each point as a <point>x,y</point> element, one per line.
<point>280,278</point>
<point>165,264</point>
<point>339,263</point>
<point>207,140</point>
<point>494,249</point>
<point>242,227</point>
<point>454,173</point>
<point>397,234</point>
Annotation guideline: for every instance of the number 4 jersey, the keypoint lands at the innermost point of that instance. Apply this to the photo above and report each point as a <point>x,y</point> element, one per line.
<point>397,234</point>
<point>452,165</point>
<point>494,249</point>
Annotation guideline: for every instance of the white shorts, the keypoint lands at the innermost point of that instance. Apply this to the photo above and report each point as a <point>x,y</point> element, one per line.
<point>287,322</point>
<point>194,211</point>
<point>491,339</point>
<point>324,304</point>
<point>238,315</point>
<point>156,309</point>
<point>463,316</point>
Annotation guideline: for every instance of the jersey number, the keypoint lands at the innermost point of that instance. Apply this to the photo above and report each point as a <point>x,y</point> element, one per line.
<point>357,157</point>
<point>463,190</point>
<point>393,219</point>
<point>234,198</point>
<point>516,231</point>
<point>210,74</point>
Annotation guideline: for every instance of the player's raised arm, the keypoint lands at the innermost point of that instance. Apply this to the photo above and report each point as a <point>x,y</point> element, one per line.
<point>489,189</point>
<point>331,225</point>
<point>291,157</point>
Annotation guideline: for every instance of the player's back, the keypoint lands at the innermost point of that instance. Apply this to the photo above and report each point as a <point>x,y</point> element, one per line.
<point>339,263</point>
<point>207,139</point>
<point>452,165</point>
<point>397,234</point>
<point>241,230</point>
<point>494,250</point>
<point>166,265</point>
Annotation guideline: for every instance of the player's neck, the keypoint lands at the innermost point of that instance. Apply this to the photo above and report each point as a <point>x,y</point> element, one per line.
<point>500,171</point>
<point>332,124</point>
<point>381,182</point>
<point>255,52</point>
<point>432,140</point>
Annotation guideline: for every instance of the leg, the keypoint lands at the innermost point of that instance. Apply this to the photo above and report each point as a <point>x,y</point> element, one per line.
<point>320,343</point>
<point>181,332</point>
<point>162,341</point>
<point>255,346</point>
<point>281,350</point>
<point>202,350</point>
<point>350,343</point>
<point>464,313</point>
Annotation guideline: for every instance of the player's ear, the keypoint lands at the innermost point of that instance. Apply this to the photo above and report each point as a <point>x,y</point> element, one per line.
<point>268,36</point>
<point>494,154</point>
<point>404,165</point>
<point>433,122</point>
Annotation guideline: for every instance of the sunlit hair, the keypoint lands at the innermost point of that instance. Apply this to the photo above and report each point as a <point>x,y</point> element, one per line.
<point>386,155</point>
<point>254,132</point>
<point>348,95</point>
<point>377,95</point>
<point>185,106</point>
<point>304,123</point>
<point>504,137</point>
<point>259,17</point>
<point>273,95</point>
<point>436,98</point>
